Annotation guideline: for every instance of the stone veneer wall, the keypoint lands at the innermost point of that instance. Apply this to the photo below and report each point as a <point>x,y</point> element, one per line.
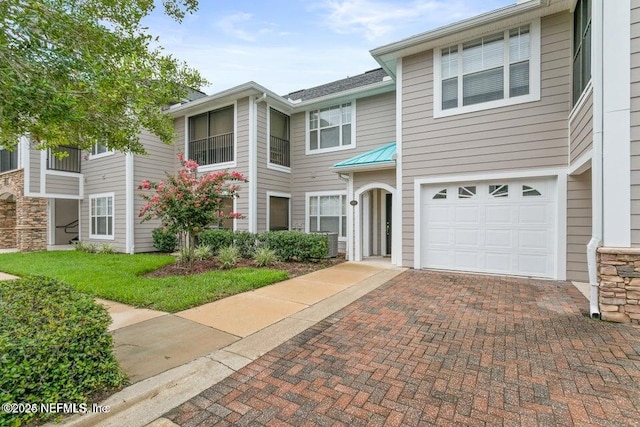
<point>27,214</point>
<point>619,277</point>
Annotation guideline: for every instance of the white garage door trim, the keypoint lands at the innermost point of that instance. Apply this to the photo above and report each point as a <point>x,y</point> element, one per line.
<point>560,175</point>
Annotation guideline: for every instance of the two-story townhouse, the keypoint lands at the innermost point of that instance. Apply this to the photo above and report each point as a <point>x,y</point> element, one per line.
<point>505,143</point>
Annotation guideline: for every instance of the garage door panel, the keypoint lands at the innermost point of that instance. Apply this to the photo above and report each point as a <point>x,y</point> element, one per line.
<point>533,240</point>
<point>502,239</point>
<point>506,227</point>
<point>467,215</point>
<point>497,215</point>
<point>533,214</point>
<point>438,214</point>
<point>467,237</point>
<point>499,262</point>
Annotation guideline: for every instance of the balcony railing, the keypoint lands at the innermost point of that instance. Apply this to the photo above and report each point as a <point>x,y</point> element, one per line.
<point>280,153</point>
<point>212,150</point>
<point>69,163</point>
<point>8,160</point>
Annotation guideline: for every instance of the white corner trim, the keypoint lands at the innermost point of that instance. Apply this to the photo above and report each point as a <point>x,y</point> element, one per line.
<point>276,194</point>
<point>253,167</point>
<point>616,125</point>
<point>129,205</point>
<point>397,242</point>
<point>350,220</point>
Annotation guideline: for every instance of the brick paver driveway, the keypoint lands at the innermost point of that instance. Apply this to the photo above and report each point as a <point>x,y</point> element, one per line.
<point>446,349</point>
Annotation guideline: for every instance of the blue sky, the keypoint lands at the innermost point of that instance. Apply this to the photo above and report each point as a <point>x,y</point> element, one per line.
<point>291,45</point>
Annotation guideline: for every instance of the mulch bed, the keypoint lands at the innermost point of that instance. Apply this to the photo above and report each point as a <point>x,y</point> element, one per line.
<point>293,268</point>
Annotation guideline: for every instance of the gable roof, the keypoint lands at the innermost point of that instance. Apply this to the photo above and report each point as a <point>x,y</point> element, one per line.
<point>380,158</point>
<point>364,79</point>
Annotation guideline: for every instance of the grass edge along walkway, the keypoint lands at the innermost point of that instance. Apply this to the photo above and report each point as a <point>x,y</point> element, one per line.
<point>118,277</point>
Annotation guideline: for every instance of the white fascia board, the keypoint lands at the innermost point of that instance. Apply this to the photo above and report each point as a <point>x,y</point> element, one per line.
<point>346,96</point>
<point>229,95</point>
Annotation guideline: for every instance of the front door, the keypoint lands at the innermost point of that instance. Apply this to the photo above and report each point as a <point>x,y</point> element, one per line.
<point>388,206</point>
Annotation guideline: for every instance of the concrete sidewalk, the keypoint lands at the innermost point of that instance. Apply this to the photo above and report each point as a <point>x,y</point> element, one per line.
<point>171,358</point>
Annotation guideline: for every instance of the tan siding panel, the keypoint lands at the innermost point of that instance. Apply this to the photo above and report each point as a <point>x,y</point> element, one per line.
<point>63,185</point>
<point>581,129</point>
<point>34,170</point>
<point>578,225</point>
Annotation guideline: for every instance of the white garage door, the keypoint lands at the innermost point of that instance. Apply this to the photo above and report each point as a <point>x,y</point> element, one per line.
<point>506,227</point>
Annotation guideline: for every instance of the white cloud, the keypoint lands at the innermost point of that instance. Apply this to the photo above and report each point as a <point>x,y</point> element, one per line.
<point>379,19</point>
<point>231,25</point>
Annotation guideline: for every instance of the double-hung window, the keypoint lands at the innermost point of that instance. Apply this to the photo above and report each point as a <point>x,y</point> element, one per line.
<point>331,128</point>
<point>211,137</point>
<point>8,159</point>
<point>279,146</point>
<point>328,213</point>
<point>101,216</point>
<point>581,48</point>
<point>491,71</point>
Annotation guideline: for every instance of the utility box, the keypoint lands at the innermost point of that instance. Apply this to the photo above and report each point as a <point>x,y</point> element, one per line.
<point>333,243</point>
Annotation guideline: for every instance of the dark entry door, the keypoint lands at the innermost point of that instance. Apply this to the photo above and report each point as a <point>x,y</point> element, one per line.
<point>388,207</point>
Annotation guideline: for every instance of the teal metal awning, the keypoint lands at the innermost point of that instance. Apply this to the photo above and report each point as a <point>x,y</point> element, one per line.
<point>381,158</point>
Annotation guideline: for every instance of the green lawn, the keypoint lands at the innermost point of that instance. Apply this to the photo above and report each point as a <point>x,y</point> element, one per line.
<point>118,277</point>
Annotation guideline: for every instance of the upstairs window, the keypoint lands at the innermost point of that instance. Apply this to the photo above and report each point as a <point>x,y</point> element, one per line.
<point>8,159</point>
<point>330,128</point>
<point>211,137</point>
<point>279,146</point>
<point>581,48</point>
<point>488,72</point>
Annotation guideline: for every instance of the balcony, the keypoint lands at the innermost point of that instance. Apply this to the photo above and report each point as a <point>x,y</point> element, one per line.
<point>69,163</point>
<point>279,152</point>
<point>212,150</point>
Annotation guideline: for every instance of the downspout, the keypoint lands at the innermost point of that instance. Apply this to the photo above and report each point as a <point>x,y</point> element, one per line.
<point>596,161</point>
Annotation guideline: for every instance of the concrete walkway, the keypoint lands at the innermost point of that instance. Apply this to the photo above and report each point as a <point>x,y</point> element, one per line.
<point>171,358</point>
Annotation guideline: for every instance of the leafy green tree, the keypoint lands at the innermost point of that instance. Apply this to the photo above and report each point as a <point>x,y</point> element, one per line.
<point>79,72</point>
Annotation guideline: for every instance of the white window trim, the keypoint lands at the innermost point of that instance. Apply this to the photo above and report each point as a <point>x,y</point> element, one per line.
<point>274,166</point>
<point>277,194</point>
<point>99,155</point>
<point>113,217</point>
<point>307,144</point>
<point>217,166</point>
<point>310,194</point>
<point>534,79</point>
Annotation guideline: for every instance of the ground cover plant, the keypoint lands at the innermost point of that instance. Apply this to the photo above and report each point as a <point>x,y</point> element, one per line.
<point>54,347</point>
<point>121,277</point>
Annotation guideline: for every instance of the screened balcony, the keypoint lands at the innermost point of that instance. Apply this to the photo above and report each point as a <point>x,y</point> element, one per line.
<point>69,163</point>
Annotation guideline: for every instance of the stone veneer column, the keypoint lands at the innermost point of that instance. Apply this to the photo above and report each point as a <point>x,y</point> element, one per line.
<point>30,218</point>
<point>7,224</point>
<point>619,277</point>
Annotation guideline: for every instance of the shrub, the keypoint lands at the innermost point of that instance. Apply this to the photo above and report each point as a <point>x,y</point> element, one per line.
<point>264,257</point>
<point>295,245</point>
<point>85,247</point>
<point>54,345</point>
<point>202,252</point>
<point>183,255</point>
<point>106,248</point>
<point>228,257</point>
<point>164,240</point>
<point>216,239</point>
<point>245,242</point>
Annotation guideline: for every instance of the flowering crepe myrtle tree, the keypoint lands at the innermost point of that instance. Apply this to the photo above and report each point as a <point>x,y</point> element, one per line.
<point>187,203</point>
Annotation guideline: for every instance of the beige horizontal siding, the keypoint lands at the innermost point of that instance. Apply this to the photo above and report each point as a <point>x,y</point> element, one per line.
<point>159,161</point>
<point>523,136</point>
<point>386,176</point>
<point>581,129</point>
<point>62,185</point>
<point>34,170</point>
<point>578,225</point>
<point>105,175</point>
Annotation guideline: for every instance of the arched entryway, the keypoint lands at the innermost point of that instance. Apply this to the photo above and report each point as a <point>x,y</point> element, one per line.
<point>8,220</point>
<point>374,221</point>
